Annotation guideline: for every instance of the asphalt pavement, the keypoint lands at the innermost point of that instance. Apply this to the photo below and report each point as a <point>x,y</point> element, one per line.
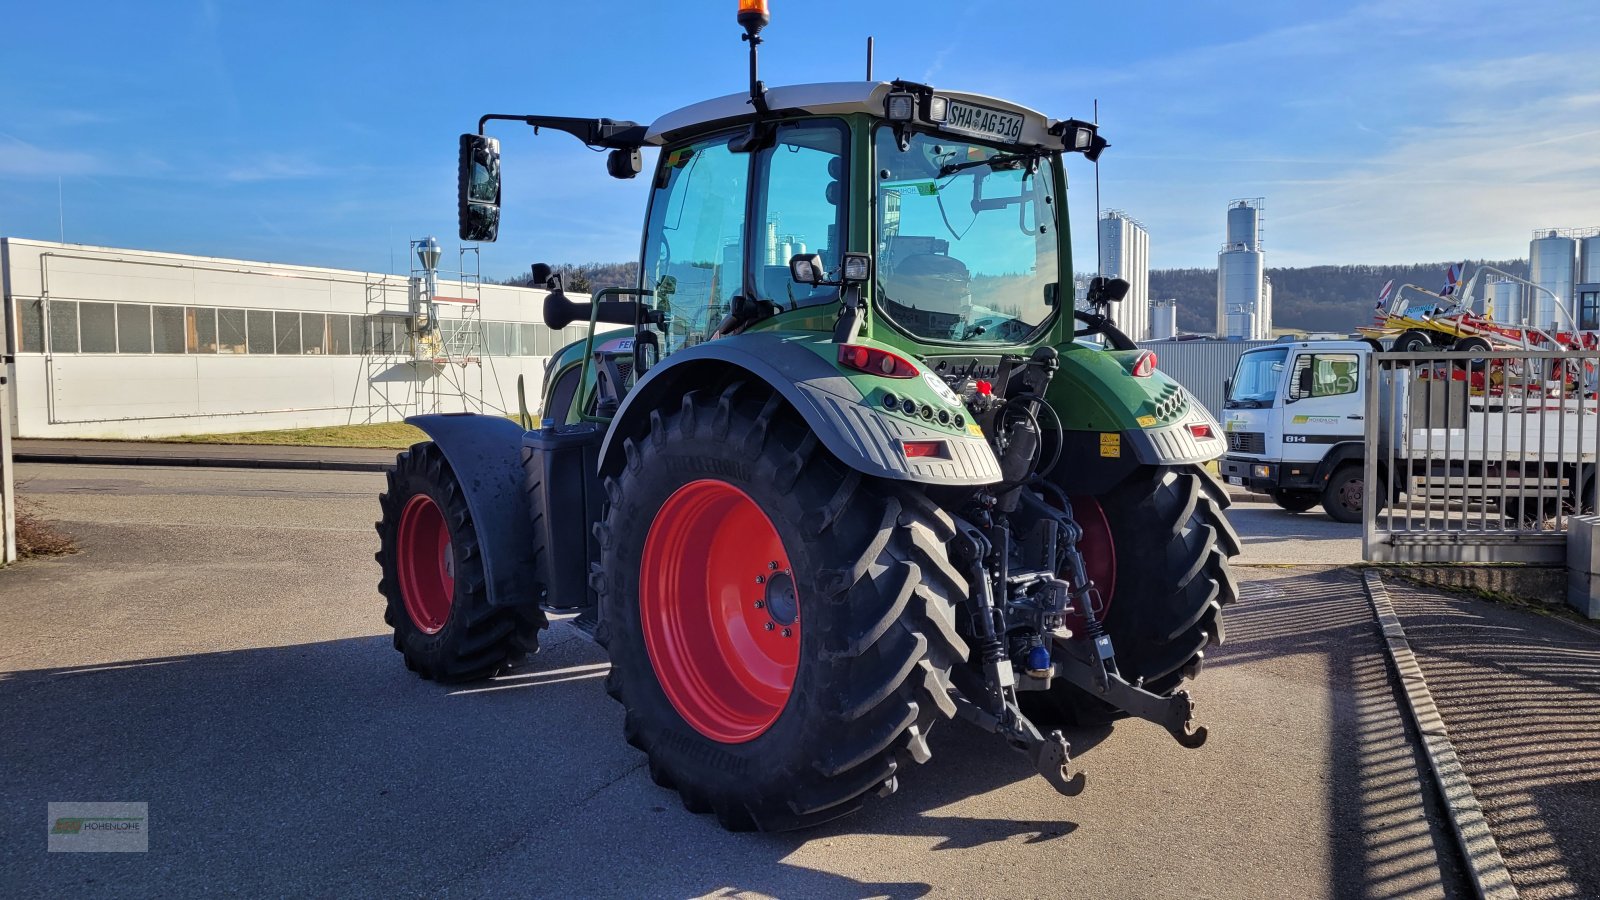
<point>217,651</point>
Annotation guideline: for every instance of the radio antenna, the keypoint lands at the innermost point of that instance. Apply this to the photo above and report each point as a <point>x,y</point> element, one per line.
<point>869,57</point>
<point>1099,254</point>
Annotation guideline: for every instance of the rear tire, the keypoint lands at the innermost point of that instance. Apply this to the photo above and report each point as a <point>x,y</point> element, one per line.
<point>1413,340</point>
<point>871,597</point>
<point>432,579</point>
<point>1172,547</point>
<point>1296,501</point>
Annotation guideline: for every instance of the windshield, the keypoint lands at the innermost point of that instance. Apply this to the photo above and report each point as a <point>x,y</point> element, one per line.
<point>965,252</point>
<point>1256,380</point>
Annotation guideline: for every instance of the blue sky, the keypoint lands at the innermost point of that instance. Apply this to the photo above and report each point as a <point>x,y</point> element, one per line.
<point>325,134</point>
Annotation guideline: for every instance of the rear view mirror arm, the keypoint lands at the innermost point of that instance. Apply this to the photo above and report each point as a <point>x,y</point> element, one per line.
<point>613,134</point>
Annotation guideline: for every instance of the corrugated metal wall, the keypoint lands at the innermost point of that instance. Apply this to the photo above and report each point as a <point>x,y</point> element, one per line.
<point>1201,366</point>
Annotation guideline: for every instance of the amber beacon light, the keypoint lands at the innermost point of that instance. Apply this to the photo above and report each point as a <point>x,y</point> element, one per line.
<point>753,15</point>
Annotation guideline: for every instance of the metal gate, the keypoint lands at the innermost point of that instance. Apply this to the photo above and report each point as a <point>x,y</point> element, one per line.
<point>1478,458</point>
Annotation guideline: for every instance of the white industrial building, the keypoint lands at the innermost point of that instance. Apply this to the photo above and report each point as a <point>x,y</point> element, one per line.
<point>1565,262</point>
<point>1125,253</point>
<point>1244,292</point>
<point>114,343</point>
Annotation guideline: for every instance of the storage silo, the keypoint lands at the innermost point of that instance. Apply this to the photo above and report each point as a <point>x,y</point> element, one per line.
<point>1163,319</point>
<point>1244,309</point>
<point>1125,253</point>
<point>1552,265</point>
<point>1589,259</point>
<point>1507,299</point>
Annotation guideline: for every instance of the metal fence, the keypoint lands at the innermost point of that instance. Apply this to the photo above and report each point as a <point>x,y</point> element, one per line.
<point>1478,459</point>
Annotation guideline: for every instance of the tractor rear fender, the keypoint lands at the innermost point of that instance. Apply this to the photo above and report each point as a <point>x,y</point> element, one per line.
<point>853,429</point>
<point>485,452</point>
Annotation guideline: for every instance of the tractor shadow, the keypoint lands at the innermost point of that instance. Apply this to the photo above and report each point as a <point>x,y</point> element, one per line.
<point>323,767</point>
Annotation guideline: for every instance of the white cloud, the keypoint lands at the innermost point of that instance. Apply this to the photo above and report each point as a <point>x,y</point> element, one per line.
<point>20,159</point>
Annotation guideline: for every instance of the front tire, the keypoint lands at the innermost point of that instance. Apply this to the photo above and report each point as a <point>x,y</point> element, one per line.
<point>1343,498</point>
<point>1172,548</point>
<point>780,627</point>
<point>432,578</point>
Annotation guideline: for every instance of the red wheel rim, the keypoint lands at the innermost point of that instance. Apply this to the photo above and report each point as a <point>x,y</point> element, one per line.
<point>1099,557</point>
<point>425,564</point>
<point>719,609</point>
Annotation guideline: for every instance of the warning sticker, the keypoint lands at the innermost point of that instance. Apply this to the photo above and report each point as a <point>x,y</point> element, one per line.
<point>1146,421</point>
<point>974,430</point>
<point>1111,445</point>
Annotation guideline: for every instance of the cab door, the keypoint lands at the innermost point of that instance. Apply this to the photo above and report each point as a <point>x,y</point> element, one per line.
<point>1322,405</point>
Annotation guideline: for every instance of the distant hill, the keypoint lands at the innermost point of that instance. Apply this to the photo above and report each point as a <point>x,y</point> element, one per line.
<point>1315,298</point>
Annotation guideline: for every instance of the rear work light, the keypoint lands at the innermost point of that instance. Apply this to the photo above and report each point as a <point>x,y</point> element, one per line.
<point>1145,365</point>
<point>925,449</point>
<point>875,362</point>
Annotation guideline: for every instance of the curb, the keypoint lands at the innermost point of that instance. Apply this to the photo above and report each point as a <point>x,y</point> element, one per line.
<point>211,462</point>
<point>1485,867</point>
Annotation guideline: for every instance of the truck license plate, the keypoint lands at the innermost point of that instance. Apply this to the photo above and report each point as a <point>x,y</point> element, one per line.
<point>1236,480</point>
<point>979,120</point>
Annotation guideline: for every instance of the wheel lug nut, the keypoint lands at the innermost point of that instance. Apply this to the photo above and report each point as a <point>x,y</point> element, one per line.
<point>761,579</point>
<point>788,633</point>
<point>773,565</point>
<point>768,626</point>
<point>761,604</point>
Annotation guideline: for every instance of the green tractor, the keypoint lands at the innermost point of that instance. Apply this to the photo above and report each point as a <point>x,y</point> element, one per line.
<point>855,462</point>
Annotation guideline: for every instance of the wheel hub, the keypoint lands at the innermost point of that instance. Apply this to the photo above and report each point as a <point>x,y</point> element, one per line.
<point>720,611</point>
<point>425,564</point>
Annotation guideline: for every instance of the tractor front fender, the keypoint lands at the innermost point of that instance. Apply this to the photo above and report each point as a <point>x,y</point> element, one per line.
<point>832,404</point>
<point>485,452</point>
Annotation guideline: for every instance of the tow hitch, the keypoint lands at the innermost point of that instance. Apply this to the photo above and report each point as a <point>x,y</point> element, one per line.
<point>1075,661</point>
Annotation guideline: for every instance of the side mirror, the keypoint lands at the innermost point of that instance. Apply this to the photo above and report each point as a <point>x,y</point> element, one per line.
<point>1303,383</point>
<point>478,188</point>
<point>806,268</point>
<point>1227,386</point>
<point>1107,290</point>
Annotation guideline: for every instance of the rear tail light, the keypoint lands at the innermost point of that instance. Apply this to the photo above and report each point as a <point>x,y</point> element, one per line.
<point>1201,431</point>
<point>875,362</point>
<point>1145,365</point>
<point>925,449</point>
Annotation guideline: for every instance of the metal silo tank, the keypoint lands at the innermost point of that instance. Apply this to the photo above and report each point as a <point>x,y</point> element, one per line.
<point>1244,226</point>
<point>1589,265</point>
<point>1239,280</point>
<point>1163,319</point>
<point>1552,264</point>
<point>1507,297</point>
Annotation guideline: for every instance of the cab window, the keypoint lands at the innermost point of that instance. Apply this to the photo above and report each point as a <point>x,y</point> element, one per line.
<point>1324,375</point>
<point>694,242</point>
<point>800,210</point>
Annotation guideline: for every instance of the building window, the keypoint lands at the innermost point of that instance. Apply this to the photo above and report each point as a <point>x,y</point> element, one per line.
<point>339,335</point>
<point>169,329</point>
<point>1589,310</point>
<point>30,330</point>
<point>287,330</point>
<point>530,338</point>
<point>231,331</point>
<point>259,335</point>
<point>133,328</point>
<point>202,329</point>
<point>313,333</point>
<point>97,326</point>
<point>63,326</point>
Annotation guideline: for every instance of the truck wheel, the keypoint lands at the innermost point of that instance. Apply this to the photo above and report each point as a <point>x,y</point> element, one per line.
<point>1171,546</point>
<point>1413,340</point>
<point>1474,345</point>
<point>779,626</point>
<point>433,582</point>
<point>1296,501</point>
<point>1342,499</point>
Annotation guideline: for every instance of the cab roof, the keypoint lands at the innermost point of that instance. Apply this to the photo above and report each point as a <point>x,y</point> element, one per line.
<point>836,98</point>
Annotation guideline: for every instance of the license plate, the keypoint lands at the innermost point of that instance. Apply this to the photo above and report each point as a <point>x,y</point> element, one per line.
<point>980,120</point>
<point>1236,480</point>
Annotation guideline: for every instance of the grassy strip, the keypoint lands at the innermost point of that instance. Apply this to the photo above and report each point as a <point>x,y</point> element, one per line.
<point>377,436</point>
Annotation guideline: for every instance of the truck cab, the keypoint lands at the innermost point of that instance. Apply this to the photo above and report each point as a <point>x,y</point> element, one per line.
<point>1293,421</point>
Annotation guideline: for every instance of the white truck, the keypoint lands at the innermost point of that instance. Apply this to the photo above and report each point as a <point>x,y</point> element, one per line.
<point>1295,421</point>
